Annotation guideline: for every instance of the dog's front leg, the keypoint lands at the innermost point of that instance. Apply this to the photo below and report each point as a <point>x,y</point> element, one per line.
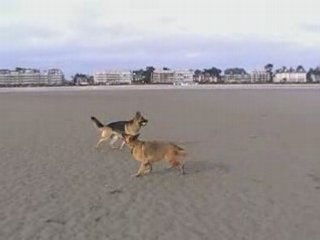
<point>149,170</point>
<point>122,144</point>
<point>114,138</point>
<point>140,171</point>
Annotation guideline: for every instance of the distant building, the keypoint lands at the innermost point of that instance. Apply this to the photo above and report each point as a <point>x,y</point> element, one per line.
<point>55,76</point>
<point>113,77</point>
<point>162,76</point>
<point>183,76</point>
<point>261,76</point>
<point>237,78</point>
<point>290,76</point>
<point>30,77</point>
<point>205,78</point>
<point>167,76</point>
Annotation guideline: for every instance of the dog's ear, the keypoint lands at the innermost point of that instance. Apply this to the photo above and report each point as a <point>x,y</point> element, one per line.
<point>138,114</point>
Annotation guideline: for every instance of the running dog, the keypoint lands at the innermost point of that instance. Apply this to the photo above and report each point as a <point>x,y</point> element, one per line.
<point>149,152</point>
<point>115,130</point>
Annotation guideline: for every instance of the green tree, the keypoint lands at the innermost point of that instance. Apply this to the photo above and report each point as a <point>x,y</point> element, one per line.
<point>269,69</point>
<point>214,72</point>
<point>148,74</point>
<point>235,71</point>
<point>300,68</point>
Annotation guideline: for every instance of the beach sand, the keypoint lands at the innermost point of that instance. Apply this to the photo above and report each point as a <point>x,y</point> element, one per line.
<point>253,166</point>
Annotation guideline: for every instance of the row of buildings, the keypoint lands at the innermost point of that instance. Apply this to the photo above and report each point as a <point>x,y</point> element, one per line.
<point>31,77</point>
<point>265,77</point>
<point>180,77</point>
<point>158,76</point>
<point>53,77</point>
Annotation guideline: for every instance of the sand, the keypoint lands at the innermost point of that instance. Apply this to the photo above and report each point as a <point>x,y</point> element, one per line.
<point>253,169</point>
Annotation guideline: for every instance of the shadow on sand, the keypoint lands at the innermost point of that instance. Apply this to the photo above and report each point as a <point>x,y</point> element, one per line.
<point>195,167</point>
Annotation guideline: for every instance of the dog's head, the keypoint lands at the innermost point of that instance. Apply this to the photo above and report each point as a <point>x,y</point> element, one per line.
<point>128,139</point>
<point>140,119</point>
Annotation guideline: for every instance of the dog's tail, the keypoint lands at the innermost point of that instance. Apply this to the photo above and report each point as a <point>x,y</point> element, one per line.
<point>97,122</point>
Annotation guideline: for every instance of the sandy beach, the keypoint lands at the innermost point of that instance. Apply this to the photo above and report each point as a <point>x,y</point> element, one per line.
<point>253,168</point>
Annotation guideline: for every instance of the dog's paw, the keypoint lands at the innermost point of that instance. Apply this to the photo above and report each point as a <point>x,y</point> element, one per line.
<point>136,175</point>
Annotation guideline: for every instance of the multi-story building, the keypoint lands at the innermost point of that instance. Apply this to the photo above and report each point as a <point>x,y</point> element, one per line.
<point>184,76</point>
<point>261,76</point>
<point>162,76</point>
<point>28,77</point>
<point>167,76</point>
<point>205,78</point>
<point>54,76</point>
<point>112,77</point>
<point>290,76</point>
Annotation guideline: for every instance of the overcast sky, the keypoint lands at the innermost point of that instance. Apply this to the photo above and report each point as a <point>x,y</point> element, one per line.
<point>89,35</point>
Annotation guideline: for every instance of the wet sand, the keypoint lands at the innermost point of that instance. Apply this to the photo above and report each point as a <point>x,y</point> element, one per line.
<point>253,169</point>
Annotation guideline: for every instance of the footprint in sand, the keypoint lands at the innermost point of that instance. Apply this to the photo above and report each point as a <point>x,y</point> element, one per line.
<point>315,179</point>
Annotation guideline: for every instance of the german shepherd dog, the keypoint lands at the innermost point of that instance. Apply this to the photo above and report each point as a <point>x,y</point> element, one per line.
<point>149,152</point>
<point>115,130</point>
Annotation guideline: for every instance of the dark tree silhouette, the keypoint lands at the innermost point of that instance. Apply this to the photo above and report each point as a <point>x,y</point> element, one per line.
<point>269,69</point>
<point>148,74</point>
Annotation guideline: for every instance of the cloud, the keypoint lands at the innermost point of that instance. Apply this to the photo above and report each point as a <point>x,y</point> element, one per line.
<point>313,28</point>
<point>178,51</point>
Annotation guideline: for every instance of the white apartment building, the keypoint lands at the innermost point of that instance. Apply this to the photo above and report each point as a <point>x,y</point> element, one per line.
<point>167,76</point>
<point>111,77</point>
<point>183,76</point>
<point>260,76</point>
<point>54,76</point>
<point>27,76</point>
<point>205,78</point>
<point>163,76</point>
<point>290,77</point>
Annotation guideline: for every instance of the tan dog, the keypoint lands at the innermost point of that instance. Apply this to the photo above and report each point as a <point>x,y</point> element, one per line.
<point>149,152</point>
<point>115,130</point>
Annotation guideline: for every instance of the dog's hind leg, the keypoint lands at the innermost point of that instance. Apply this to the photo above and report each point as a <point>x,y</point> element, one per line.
<point>100,141</point>
<point>176,163</point>
<point>182,169</point>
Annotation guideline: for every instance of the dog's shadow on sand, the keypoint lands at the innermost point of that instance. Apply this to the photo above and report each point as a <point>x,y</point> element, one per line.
<point>197,167</point>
